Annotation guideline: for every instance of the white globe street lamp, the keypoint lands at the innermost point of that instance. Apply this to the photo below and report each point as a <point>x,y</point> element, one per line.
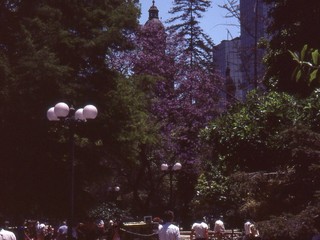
<point>68,116</point>
<point>62,112</point>
<point>113,193</point>
<point>114,189</point>
<point>171,169</point>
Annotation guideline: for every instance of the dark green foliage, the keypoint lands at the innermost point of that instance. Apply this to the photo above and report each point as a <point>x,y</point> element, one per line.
<point>54,51</point>
<point>252,126</point>
<point>133,132</point>
<point>107,211</point>
<point>307,68</point>
<point>211,189</point>
<point>268,151</point>
<point>291,28</point>
<point>289,226</point>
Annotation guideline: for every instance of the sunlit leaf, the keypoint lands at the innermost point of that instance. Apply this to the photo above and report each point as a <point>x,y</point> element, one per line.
<point>313,75</point>
<point>315,57</point>
<point>299,74</point>
<point>303,52</point>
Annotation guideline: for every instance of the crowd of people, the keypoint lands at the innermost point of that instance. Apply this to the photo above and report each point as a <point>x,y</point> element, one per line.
<point>200,229</point>
<point>98,230</point>
<point>89,229</point>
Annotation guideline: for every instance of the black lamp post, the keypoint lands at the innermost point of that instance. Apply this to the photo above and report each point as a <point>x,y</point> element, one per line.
<point>113,191</point>
<point>171,169</point>
<point>70,117</point>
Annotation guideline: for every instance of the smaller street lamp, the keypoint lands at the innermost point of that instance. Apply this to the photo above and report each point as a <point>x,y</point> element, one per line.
<point>113,193</point>
<point>171,169</point>
<point>114,189</point>
<point>69,116</point>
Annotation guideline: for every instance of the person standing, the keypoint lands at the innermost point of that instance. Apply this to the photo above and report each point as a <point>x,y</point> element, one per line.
<point>40,230</point>
<point>158,221</point>
<point>101,231</point>
<point>200,230</point>
<point>254,232</point>
<point>247,231</point>
<point>62,232</point>
<point>219,228</point>
<point>116,230</point>
<point>250,230</point>
<point>5,234</point>
<point>168,231</point>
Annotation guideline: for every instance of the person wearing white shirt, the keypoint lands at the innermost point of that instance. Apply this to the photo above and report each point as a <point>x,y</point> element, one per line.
<point>62,231</point>
<point>200,231</point>
<point>250,231</point>
<point>5,234</point>
<point>219,229</point>
<point>247,228</point>
<point>168,231</point>
<point>219,226</point>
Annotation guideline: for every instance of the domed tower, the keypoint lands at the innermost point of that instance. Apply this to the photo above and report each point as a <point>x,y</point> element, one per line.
<point>153,11</point>
<point>154,16</point>
<point>153,45</point>
<point>154,30</point>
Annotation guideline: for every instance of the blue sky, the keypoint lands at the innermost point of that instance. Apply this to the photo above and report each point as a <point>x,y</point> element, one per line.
<point>213,23</point>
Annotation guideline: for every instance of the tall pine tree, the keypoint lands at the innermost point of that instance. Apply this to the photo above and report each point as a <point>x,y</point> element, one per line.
<point>186,22</point>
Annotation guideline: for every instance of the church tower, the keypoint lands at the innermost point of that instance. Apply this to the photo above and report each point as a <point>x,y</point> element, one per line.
<point>154,30</point>
<point>153,12</point>
<point>154,16</point>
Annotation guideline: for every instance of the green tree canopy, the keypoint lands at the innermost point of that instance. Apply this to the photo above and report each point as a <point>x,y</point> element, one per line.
<point>54,51</point>
<point>268,150</point>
